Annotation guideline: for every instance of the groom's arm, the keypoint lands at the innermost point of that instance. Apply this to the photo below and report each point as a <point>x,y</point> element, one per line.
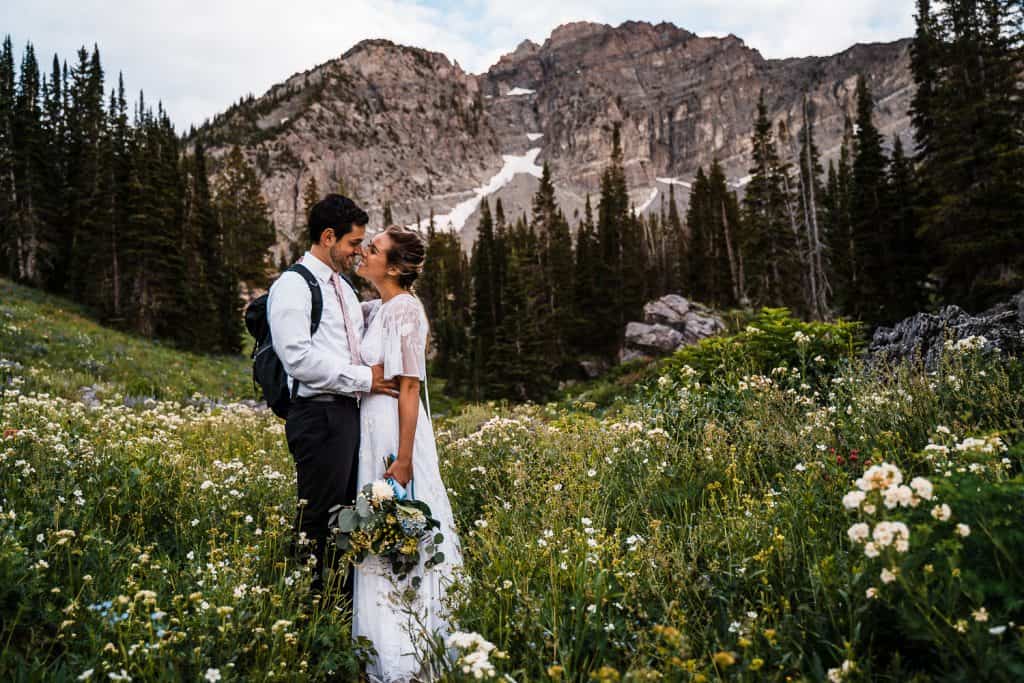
<point>290,310</point>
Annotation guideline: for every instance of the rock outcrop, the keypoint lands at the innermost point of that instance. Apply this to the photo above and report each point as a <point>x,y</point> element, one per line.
<point>669,324</point>
<point>924,337</point>
<point>407,126</point>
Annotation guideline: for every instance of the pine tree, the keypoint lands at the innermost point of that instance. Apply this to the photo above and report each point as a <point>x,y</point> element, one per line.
<point>869,221</point>
<point>558,265</point>
<point>967,57</point>
<point>86,121</point>
<point>772,271</point>
<point>485,300</point>
<point>679,270</point>
<point>728,239</point>
<point>8,229</point>
<point>520,347</point>
<point>244,215</point>
<point>907,269</point>
<point>613,223</point>
<point>838,229</point>
<point>387,219</point>
<point>247,234</point>
<point>589,307</point>
<point>28,170</point>
<point>702,273</point>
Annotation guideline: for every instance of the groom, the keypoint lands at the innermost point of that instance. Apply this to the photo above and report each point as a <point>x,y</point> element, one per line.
<point>322,428</point>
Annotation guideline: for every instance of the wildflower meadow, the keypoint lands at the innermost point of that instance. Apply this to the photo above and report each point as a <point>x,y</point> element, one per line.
<point>761,507</point>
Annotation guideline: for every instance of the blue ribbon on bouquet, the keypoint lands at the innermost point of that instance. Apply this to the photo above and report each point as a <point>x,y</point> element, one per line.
<point>400,491</point>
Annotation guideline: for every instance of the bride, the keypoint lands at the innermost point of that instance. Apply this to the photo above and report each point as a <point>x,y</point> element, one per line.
<point>396,620</point>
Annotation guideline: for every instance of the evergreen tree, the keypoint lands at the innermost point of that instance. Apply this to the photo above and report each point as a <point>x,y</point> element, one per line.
<point>520,347</point>
<point>558,266</point>
<point>908,269</point>
<point>29,171</point>
<point>869,221</point>
<point>9,237</point>
<point>86,122</point>
<point>702,272</point>
<point>969,116</point>
<point>838,226</point>
<point>614,222</point>
<point>772,270</point>
<point>485,300</point>
<point>678,267</point>
<point>247,234</point>
<point>590,309</point>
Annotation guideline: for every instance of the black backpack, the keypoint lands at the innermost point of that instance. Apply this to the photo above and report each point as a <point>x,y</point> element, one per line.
<point>267,371</point>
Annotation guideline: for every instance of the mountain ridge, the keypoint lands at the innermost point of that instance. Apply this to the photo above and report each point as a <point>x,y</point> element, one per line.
<point>408,126</point>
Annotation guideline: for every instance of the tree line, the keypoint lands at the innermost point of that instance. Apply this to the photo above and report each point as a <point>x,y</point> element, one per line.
<point>106,206</point>
<point>878,235</point>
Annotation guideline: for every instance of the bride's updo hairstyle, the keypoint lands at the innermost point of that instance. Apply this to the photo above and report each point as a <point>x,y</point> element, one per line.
<point>408,253</point>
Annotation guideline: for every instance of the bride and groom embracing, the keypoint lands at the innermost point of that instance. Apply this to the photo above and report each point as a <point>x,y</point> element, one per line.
<point>355,382</point>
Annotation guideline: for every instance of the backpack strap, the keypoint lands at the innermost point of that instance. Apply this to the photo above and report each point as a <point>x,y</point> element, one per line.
<point>317,308</point>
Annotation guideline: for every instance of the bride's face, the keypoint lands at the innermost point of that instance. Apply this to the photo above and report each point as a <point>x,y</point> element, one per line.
<point>374,266</point>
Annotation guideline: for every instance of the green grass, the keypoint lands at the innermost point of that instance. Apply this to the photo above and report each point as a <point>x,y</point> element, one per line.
<point>65,350</point>
<point>692,529</point>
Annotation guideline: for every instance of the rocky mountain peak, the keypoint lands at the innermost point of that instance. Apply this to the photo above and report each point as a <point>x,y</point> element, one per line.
<point>409,127</point>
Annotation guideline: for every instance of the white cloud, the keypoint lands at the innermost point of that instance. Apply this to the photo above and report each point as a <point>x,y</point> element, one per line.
<point>199,57</point>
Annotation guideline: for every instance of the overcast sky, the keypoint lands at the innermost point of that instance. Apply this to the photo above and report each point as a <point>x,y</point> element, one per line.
<point>200,56</point>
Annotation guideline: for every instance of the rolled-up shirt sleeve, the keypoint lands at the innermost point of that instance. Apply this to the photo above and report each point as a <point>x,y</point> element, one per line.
<point>290,311</point>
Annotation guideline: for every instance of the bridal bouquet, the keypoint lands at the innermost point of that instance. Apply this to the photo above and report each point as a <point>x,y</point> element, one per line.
<point>394,530</point>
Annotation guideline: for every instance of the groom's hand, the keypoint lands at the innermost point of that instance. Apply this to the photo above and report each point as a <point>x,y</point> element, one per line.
<point>388,387</point>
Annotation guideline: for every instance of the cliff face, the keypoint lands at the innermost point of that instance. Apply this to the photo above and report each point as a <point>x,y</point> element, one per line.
<point>407,126</point>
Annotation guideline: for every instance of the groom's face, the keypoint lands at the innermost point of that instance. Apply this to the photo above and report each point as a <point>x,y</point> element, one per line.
<point>347,247</point>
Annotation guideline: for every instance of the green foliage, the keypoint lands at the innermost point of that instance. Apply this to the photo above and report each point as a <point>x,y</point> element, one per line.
<point>773,338</point>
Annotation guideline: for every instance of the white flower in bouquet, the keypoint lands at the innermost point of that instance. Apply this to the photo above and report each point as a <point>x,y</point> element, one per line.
<point>381,490</point>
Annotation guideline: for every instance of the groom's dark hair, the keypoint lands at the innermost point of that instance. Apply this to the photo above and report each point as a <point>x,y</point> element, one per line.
<point>334,211</point>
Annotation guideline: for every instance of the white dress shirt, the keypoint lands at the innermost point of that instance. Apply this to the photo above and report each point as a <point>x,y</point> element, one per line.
<point>323,364</point>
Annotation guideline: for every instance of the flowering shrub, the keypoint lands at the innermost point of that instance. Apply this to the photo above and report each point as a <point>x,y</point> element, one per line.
<point>773,338</point>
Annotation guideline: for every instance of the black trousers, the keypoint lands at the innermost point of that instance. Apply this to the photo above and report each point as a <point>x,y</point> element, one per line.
<point>323,437</point>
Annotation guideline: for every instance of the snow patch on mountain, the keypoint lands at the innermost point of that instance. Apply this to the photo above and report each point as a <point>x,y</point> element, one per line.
<point>534,136</point>
<point>520,91</point>
<point>460,213</point>
<point>675,181</point>
<point>650,200</point>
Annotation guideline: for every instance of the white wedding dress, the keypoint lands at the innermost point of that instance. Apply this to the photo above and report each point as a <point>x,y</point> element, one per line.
<point>396,336</point>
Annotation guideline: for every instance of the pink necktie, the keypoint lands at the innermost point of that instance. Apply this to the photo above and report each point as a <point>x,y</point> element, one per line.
<point>353,338</point>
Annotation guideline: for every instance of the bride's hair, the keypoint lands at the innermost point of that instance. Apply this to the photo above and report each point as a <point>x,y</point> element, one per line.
<point>408,253</point>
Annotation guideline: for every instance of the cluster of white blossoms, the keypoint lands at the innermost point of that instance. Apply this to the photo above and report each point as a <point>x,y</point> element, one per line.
<point>967,344</point>
<point>884,483</point>
<point>989,444</point>
<point>801,339</point>
<point>476,653</point>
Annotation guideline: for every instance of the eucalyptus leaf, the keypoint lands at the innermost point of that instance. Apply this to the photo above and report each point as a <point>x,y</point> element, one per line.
<point>348,520</point>
<point>363,507</point>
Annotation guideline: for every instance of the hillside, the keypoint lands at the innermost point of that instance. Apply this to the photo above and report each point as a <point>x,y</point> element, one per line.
<point>52,345</point>
<point>714,523</point>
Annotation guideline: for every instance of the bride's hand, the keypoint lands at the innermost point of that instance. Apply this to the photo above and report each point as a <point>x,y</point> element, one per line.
<point>400,470</point>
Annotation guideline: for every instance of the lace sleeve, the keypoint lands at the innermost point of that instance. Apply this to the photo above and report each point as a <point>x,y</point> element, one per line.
<point>370,309</point>
<point>405,339</point>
